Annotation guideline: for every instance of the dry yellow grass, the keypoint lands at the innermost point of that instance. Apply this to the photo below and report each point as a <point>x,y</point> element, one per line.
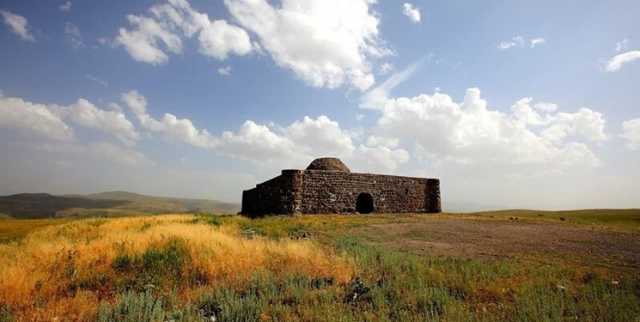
<point>66,270</point>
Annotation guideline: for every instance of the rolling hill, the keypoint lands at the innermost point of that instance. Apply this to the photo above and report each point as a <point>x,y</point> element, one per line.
<point>42,205</point>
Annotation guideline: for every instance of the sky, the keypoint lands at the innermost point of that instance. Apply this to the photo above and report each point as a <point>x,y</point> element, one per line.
<point>512,104</point>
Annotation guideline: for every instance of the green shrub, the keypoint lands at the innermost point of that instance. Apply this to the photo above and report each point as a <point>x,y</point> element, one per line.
<point>122,263</point>
<point>132,307</point>
<point>228,305</point>
<point>162,264</point>
<point>165,259</point>
<point>5,314</point>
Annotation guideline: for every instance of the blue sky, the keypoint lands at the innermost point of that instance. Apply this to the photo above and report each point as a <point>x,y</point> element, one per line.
<point>513,104</point>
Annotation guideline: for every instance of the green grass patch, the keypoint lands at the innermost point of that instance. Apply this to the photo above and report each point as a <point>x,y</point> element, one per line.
<point>162,264</point>
<point>615,218</point>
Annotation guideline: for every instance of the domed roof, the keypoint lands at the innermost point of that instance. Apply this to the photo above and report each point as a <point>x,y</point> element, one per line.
<point>328,164</point>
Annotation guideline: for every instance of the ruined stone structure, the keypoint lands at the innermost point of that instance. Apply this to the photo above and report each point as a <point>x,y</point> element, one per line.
<point>328,186</point>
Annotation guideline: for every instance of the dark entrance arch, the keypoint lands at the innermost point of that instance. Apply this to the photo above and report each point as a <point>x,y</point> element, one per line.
<point>364,203</point>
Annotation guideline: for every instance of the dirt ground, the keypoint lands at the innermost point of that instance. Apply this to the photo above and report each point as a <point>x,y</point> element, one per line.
<point>505,238</point>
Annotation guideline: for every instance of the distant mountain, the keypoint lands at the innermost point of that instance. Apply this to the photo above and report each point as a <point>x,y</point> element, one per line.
<point>42,205</point>
<point>165,204</point>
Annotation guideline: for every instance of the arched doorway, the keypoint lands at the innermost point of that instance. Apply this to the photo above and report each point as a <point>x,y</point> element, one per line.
<point>364,203</point>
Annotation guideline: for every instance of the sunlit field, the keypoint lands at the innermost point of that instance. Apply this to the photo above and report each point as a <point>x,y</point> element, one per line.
<point>311,268</point>
<point>79,269</point>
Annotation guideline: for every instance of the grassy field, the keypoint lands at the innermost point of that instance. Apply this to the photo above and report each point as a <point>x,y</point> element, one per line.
<point>446,267</point>
<point>628,219</point>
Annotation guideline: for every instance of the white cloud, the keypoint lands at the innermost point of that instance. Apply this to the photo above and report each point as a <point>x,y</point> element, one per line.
<point>536,41</point>
<point>412,12</point>
<point>321,136</point>
<point>294,144</point>
<point>515,41</point>
<point>631,132</point>
<point>169,126</point>
<point>340,38</point>
<point>520,42</point>
<point>225,71</point>
<point>377,96</point>
<point>256,142</point>
<point>584,123</point>
<point>75,36</point>
<point>471,133</point>
<point>218,39</point>
<point>65,7</point>
<point>32,119</point>
<point>380,158</point>
<point>622,45</point>
<point>137,103</point>
<point>546,107</point>
<point>503,45</point>
<point>18,25</point>
<point>143,42</point>
<point>51,121</point>
<point>385,68</point>
<point>616,62</point>
<point>374,140</point>
<point>150,37</point>
<point>115,123</point>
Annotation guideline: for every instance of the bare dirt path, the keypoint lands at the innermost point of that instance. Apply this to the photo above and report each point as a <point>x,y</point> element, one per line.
<point>474,237</point>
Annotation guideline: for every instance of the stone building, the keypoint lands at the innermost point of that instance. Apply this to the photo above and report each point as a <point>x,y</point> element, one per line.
<point>328,186</point>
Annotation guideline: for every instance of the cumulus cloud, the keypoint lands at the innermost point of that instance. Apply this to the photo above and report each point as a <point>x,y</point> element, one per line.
<point>218,39</point>
<point>294,144</point>
<point>52,122</point>
<point>520,42</point>
<point>321,136</point>
<point>225,71</point>
<point>381,158</point>
<point>616,62</point>
<point>341,38</point>
<point>115,123</point>
<point>169,126</point>
<point>18,25</point>
<point>151,36</point>
<point>143,41</point>
<point>33,119</point>
<point>631,133</point>
<point>412,12</point>
<point>470,133</point>
<point>65,7</point>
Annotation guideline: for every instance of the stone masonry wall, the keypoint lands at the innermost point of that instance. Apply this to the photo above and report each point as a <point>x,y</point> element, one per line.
<point>315,191</point>
<point>337,192</point>
<point>275,196</point>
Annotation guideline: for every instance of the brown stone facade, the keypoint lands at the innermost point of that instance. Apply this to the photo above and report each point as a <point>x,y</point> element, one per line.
<point>334,189</point>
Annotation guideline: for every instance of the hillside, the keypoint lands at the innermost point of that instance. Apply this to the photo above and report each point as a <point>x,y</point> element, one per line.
<point>42,205</point>
<point>146,203</point>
